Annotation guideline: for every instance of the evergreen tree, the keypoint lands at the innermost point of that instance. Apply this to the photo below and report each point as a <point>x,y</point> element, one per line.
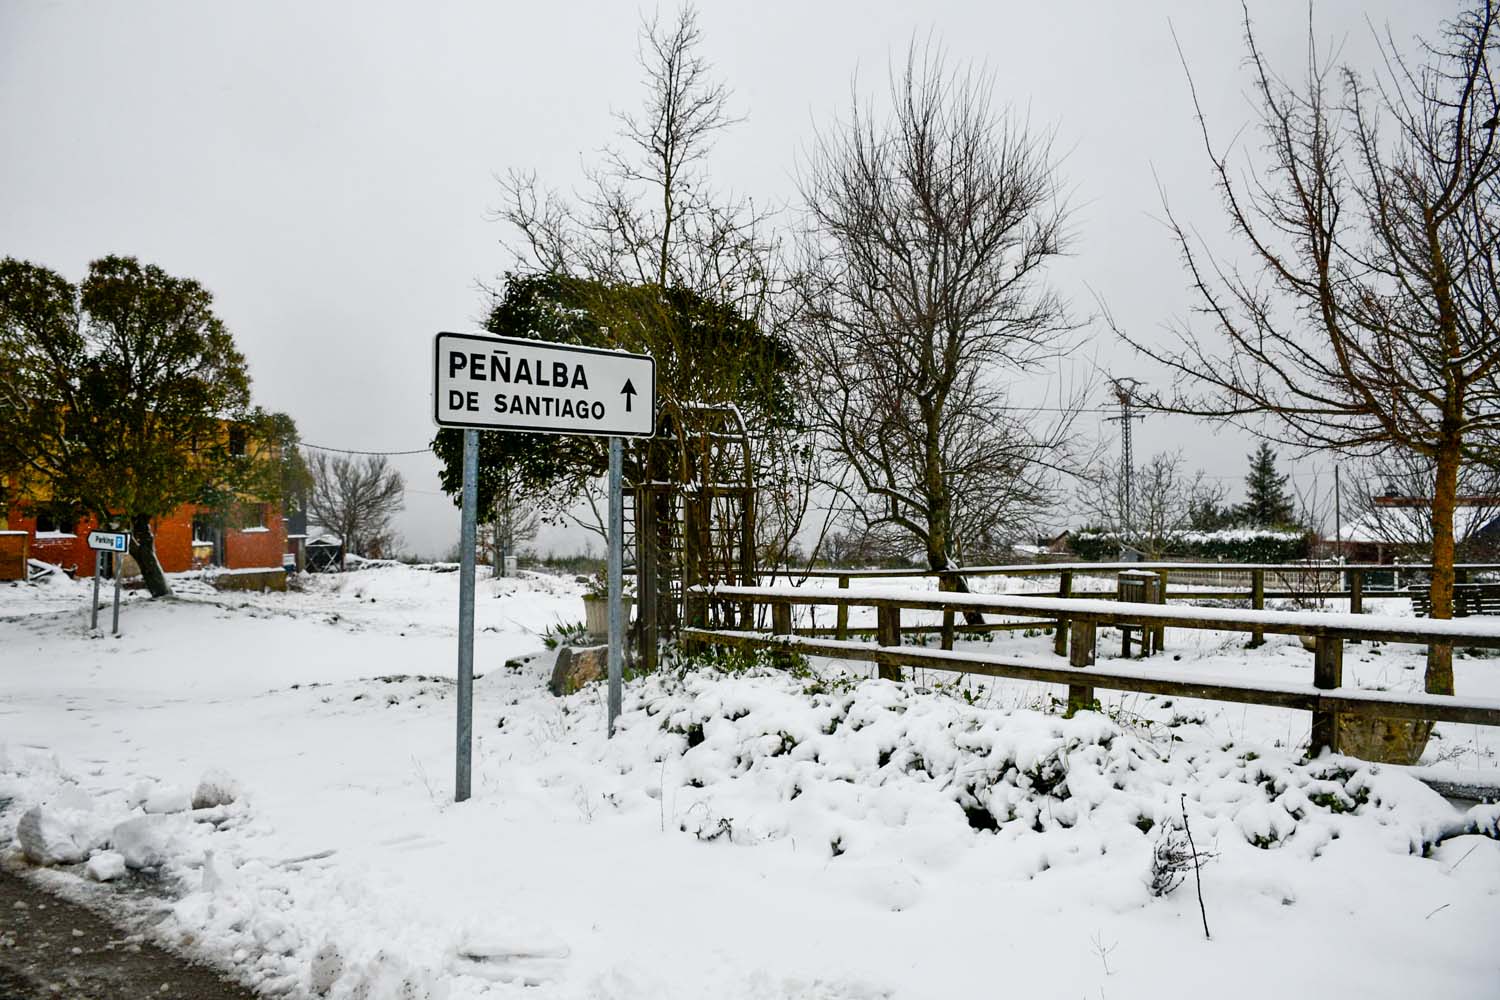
<point>1267,502</point>
<point>125,398</point>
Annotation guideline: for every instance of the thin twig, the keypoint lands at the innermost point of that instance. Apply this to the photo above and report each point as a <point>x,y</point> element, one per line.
<point>1197,869</point>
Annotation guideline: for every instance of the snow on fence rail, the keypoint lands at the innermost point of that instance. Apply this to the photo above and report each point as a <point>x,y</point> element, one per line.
<point>1287,580</point>
<point>1326,697</point>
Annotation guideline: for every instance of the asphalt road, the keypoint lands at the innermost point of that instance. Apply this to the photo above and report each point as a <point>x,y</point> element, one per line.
<point>51,949</point>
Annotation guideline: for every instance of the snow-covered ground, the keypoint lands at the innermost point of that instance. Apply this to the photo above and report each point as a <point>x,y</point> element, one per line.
<point>755,834</point>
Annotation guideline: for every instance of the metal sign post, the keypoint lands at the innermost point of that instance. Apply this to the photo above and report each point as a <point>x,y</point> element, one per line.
<point>114,565</point>
<point>466,615</point>
<point>483,382</point>
<point>116,543</point>
<point>94,606</point>
<point>616,572</point>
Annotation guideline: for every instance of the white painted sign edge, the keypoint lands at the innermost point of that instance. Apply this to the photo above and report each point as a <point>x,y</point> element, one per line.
<point>490,339</point>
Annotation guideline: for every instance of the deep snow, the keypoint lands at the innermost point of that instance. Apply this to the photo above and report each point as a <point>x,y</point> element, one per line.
<point>749,835</point>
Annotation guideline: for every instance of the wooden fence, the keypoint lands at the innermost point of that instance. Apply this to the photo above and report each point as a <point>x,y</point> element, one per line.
<point>1325,698</point>
<point>1237,581</point>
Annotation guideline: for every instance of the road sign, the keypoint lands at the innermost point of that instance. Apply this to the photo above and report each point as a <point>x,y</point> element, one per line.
<point>109,541</point>
<point>506,383</point>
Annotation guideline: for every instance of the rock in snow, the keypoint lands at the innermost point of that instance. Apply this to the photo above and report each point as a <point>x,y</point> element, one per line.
<point>50,836</point>
<point>215,788</point>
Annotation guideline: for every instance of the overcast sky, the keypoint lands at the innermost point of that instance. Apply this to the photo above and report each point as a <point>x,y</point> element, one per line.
<point>327,170</point>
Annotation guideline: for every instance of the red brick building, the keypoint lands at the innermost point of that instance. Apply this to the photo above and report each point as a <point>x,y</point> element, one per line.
<point>190,537</point>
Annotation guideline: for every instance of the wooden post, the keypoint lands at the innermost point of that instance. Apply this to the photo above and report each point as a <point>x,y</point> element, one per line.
<point>647,617</point>
<point>1060,631</point>
<point>1356,593</point>
<point>781,618</point>
<point>781,624</point>
<point>841,621</point>
<point>888,633</point>
<point>1084,634</point>
<point>1258,602</point>
<point>947,629</point>
<point>1328,672</point>
<point>1159,634</point>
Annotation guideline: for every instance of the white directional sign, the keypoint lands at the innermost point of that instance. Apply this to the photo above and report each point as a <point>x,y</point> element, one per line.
<point>504,383</point>
<point>109,541</point>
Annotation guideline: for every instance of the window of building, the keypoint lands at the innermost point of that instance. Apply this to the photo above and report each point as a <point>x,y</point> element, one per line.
<point>208,540</point>
<point>254,515</point>
<point>237,440</point>
<point>48,521</point>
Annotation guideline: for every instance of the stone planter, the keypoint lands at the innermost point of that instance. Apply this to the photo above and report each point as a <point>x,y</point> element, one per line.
<point>596,613</point>
<point>1381,740</point>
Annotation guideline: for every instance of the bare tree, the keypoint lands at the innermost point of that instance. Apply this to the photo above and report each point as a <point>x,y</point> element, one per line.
<point>356,497</point>
<point>511,521</point>
<point>929,230</point>
<point>649,219</point>
<point>1366,324</point>
<point>1166,502</point>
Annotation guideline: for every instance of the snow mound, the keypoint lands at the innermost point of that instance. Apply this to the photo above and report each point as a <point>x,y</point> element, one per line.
<point>105,866</point>
<point>876,771</point>
<point>52,836</point>
<point>167,799</point>
<point>145,841</point>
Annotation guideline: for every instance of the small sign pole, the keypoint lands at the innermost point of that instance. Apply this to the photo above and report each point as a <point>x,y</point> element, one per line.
<point>94,606</point>
<point>616,571</point>
<point>466,615</point>
<point>114,564</point>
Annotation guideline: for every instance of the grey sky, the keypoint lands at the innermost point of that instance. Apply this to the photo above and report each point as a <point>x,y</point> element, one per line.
<point>327,169</point>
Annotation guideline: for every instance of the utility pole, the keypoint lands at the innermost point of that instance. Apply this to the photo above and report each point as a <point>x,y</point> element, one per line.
<point>1124,390</point>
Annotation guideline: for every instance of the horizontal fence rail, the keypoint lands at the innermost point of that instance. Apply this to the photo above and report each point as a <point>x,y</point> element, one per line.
<point>1325,698</point>
<point>1048,569</point>
<point>1317,581</point>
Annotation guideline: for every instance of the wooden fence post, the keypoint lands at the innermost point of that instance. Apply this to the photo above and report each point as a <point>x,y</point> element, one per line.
<point>945,580</point>
<point>1060,630</point>
<point>888,633</point>
<point>1258,602</point>
<point>781,624</point>
<point>1159,636</point>
<point>1084,635</point>
<point>841,622</point>
<point>1328,672</point>
<point>781,619</point>
<point>1356,593</point>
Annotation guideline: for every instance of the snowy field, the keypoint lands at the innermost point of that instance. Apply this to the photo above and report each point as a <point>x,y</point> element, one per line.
<point>757,835</point>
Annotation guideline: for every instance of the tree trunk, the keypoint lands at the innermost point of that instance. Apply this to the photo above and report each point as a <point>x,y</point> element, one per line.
<point>143,551</point>
<point>939,560</point>
<point>1444,502</point>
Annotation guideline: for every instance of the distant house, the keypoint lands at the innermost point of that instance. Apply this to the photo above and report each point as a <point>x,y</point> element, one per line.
<point>190,537</point>
<point>250,535</point>
<point>1396,527</point>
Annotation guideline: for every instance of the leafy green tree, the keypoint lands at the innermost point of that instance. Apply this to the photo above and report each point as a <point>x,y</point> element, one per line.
<point>125,398</point>
<point>705,353</point>
<point>1267,502</point>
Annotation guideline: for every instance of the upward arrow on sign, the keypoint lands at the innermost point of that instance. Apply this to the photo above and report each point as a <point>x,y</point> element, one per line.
<point>629,393</point>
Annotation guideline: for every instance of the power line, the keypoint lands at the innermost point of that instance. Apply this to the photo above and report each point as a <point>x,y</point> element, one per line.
<point>354,451</point>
